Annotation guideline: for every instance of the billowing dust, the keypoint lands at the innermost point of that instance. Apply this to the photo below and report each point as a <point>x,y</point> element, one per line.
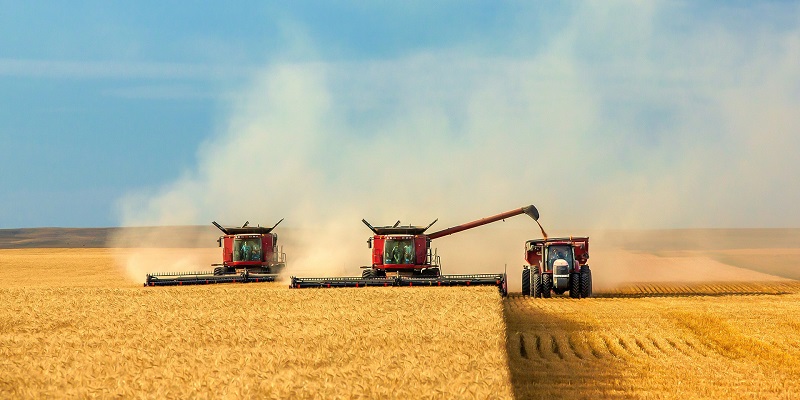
<point>340,250</point>
<point>613,268</point>
<point>140,253</point>
<point>295,147</point>
<point>288,151</point>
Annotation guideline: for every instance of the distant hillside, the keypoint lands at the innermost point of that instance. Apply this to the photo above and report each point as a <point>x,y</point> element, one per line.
<point>176,236</point>
<point>206,236</point>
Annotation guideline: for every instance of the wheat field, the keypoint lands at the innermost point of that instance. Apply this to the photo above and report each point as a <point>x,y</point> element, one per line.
<point>664,325</point>
<point>73,325</point>
<point>75,337</point>
<point>712,341</point>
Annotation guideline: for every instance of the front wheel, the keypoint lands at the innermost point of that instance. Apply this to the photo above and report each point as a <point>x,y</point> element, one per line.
<point>536,287</point>
<point>586,281</point>
<point>526,282</point>
<point>219,271</point>
<point>575,285</point>
<point>547,285</point>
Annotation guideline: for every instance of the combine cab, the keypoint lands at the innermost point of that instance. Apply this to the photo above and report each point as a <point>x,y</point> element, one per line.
<point>249,254</point>
<point>557,265</point>
<point>402,256</point>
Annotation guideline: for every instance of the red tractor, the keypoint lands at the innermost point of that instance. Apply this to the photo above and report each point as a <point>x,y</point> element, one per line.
<point>249,254</point>
<point>402,256</point>
<point>557,265</point>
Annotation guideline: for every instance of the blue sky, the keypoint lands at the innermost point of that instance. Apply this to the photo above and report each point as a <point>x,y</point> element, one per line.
<point>111,114</point>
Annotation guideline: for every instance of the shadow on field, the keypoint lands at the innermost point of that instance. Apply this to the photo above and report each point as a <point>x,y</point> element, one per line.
<point>553,357</point>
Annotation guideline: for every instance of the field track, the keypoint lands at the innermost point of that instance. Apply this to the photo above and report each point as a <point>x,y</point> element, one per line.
<point>658,341</point>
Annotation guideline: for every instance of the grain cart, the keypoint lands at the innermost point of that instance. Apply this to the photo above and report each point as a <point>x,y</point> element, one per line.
<point>557,265</point>
<point>249,254</point>
<point>402,256</point>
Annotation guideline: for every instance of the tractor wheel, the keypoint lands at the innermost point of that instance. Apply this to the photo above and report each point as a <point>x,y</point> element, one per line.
<point>219,270</point>
<point>536,287</point>
<point>526,282</point>
<point>575,285</point>
<point>368,273</point>
<point>547,285</point>
<point>586,281</point>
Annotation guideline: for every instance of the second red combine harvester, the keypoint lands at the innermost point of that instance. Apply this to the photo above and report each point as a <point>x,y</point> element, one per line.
<point>402,256</point>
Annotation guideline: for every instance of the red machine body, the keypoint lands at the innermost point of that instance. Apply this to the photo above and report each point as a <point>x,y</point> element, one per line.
<point>401,252</point>
<point>249,251</point>
<point>557,265</point>
<point>535,250</point>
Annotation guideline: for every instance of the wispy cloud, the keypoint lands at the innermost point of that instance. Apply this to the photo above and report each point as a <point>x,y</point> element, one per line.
<point>164,92</point>
<point>59,69</point>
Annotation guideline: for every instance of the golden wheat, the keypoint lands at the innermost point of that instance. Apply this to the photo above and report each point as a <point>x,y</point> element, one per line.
<point>253,340</point>
<point>677,345</point>
<point>72,325</point>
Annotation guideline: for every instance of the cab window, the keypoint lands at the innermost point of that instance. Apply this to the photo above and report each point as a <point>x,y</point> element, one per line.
<point>399,251</point>
<point>247,249</point>
<point>559,252</point>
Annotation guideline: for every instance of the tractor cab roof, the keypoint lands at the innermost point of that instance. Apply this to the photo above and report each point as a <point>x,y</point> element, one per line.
<point>561,240</point>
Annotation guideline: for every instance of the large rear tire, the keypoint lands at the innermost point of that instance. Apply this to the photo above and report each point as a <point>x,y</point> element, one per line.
<point>586,281</point>
<point>526,282</point>
<point>575,285</point>
<point>368,273</point>
<point>547,285</point>
<point>536,287</point>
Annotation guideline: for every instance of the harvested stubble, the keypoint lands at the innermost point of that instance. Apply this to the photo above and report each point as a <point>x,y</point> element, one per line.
<point>678,345</point>
<point>253,340</point>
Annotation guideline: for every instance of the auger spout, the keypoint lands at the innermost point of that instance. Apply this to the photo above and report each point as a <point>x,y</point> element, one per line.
<point>530,211</point>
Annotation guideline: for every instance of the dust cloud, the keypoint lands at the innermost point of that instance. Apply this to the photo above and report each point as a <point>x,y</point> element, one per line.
<point>152,249</point>
<point>625,137</point>
<point>289,152</point>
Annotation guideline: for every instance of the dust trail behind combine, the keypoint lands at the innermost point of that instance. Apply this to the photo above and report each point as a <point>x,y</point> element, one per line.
<point>693,257</point>
<point>617,268</point>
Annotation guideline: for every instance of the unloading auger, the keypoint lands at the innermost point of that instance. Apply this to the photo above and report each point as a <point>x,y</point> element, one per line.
<point>402,256</point>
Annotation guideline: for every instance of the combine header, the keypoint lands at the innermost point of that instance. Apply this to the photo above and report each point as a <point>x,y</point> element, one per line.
<point>249,254</point>
<point>402,256</point>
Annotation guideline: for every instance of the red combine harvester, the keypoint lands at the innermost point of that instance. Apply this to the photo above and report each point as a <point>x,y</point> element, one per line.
<point>402,256</point>
<point>557,265</point>
<point>249,254</point>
